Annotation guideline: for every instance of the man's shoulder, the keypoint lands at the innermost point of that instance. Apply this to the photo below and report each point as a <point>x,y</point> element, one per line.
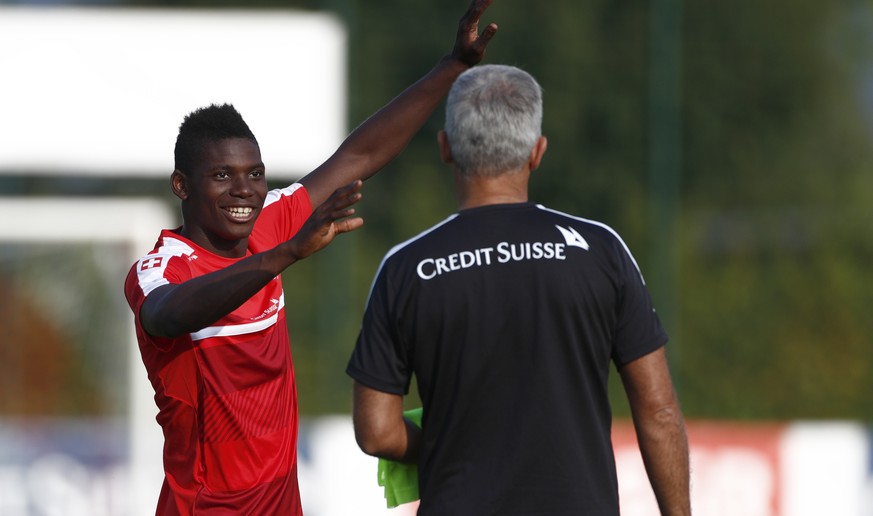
<point>421,240</point>
<point>575,223</point>
<point>595,225</point>
<point>294,192</point>
<point>172,258</point>
<point>284,212</point>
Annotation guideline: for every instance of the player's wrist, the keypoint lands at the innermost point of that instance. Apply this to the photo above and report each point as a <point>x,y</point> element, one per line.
<point>454,63</point>
<point>281,257</point>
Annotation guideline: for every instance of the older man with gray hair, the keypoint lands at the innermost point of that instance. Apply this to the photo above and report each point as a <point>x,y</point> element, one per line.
<point>509,314</point>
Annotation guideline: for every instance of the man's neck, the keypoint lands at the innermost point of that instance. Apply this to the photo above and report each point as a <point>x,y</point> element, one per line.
<point>478,191</point>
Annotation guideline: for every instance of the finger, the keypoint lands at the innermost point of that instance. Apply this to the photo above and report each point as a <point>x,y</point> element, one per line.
<point>340,214</point>
<point>354,186</point>
<point>474,12</point>
<point>349,199</point>
<point>346,190</point>
<point>350,192</point>
<point>469,45</point>
<point>341,198</point>
<point>342,202</point>
<point>485,37</point>
<point>346,225</point>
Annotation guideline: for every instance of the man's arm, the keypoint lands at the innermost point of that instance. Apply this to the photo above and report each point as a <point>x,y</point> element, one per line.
<point>173,310</point>
<point>660,430</point>
<point>380,428</point>
<point>384,134</point>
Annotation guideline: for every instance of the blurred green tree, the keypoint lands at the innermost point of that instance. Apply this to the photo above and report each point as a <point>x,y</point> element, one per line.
<point>775,183</point>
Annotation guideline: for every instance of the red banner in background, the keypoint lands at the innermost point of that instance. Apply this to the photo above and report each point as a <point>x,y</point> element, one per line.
<point>735,469</point>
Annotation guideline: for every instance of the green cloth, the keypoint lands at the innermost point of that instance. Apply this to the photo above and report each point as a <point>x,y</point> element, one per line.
<point>399,479</point>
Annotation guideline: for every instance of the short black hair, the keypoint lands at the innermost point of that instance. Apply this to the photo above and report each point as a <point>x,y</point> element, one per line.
<point>205,125</point>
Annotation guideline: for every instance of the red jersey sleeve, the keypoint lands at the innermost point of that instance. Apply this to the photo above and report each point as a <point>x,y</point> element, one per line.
<point>166,264</point>
<point>285,210</point>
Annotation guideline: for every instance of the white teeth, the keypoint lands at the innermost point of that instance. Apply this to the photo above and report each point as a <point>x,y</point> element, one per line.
<point>239,212</point>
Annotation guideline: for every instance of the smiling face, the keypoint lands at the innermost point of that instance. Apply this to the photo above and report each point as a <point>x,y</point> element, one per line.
<point>222,195</point>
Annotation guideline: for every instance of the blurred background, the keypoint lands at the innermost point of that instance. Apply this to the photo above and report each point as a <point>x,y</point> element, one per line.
<point>728,143</point>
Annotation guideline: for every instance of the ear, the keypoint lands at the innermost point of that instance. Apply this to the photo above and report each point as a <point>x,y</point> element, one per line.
<point>445,149</point>
<point>536,154</point>
<point>179,184</point>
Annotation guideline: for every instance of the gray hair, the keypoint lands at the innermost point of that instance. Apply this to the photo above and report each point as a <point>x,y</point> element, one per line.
<point>494,117</point>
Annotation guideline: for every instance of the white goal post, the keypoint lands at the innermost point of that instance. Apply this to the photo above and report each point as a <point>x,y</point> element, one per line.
<point>135,224</point>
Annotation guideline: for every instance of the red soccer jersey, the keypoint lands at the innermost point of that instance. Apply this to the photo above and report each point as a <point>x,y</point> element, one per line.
<point>226,394</point>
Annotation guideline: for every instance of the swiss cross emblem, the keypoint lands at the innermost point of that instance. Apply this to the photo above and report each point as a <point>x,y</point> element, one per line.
<point>150,263</point>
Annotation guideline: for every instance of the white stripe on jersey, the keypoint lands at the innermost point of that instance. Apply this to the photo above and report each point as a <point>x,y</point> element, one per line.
<point>275,195</point>
<point>239,329</point>
<point>150,268</point>
<point>604,226</point>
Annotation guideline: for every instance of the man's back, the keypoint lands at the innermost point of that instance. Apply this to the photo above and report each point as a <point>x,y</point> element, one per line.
<point>509,316</point>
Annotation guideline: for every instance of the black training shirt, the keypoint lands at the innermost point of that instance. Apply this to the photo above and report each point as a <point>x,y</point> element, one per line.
<point>509,317</point>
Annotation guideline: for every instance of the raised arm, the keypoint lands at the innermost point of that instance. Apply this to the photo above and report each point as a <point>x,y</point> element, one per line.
<point>385,134</point>
<point>173,310</point>
<point>660,431</point>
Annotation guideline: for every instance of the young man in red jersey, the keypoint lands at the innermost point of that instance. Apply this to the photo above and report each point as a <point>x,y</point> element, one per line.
<point>208,300</point>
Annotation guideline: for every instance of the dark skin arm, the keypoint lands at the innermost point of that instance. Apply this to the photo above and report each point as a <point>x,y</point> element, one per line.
<point>660,430</point>
<point>173,310</point>
<point>387,132</point>
<point>380,428</point>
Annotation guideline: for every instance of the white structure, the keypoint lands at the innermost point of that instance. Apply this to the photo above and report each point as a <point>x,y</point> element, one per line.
<point>135,224</point>
<point>102,91</point>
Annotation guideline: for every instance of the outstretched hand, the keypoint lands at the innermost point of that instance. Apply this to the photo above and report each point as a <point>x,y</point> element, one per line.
<point>469,44</point>
<point>327,221</point>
